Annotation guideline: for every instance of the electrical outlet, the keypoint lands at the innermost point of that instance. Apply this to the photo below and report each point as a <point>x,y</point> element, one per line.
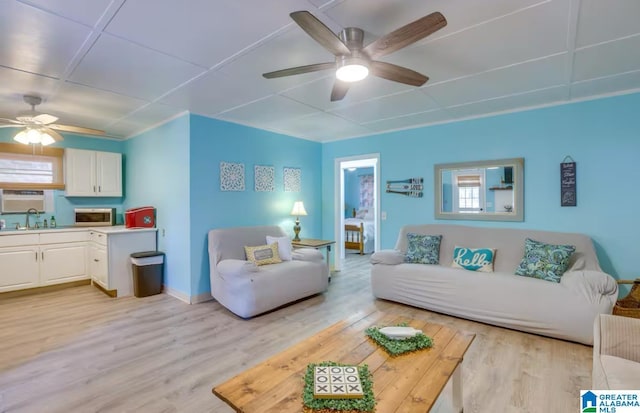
<point>383,215</point>
<point>163,232</point>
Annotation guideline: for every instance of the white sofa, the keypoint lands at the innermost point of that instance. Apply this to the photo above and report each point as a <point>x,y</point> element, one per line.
<point>616,353</point>
<point>248,290</point>
<point>564,310</point>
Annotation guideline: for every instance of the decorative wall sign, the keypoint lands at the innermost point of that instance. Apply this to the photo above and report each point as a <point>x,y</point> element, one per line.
<point>231,176</point>
<point>411,187</point>
<point>568,196</point>
<point>292,181</point>
<point>264,177</point>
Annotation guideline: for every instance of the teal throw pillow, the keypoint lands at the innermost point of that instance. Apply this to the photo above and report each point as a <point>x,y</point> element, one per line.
<point>474,259</point>
<point>545,261</point>
<point>423,249</point>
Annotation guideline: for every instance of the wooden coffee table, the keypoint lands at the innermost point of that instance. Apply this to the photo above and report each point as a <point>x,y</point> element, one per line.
<point>406,383</point>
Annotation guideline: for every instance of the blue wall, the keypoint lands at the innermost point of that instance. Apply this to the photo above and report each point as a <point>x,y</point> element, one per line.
<point>600,135</point>
<point>64,206</point>
<point>213,141</point>
<point>158,175</point>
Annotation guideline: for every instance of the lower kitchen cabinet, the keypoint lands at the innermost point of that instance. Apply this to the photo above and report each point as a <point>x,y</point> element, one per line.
<point>20,268</point>
<point>109,257</point>
<point>63,263</point>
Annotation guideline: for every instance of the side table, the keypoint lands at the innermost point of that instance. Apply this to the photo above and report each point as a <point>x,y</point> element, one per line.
<point>317,244</point>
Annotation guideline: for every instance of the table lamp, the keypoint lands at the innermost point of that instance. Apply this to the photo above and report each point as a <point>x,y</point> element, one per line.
<point>298,209</point>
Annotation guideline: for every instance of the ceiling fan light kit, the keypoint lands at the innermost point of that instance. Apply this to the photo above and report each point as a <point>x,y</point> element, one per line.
<point>34,136</point>
<point>353,62</point>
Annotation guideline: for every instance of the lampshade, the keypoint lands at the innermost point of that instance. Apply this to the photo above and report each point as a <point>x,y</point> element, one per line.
<point>352,70</point>
<point>298,209</point>
<point>34,136</point>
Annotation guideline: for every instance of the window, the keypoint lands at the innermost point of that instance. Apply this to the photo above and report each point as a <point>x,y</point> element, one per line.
<point>469,191</point>
<point>27,167</point>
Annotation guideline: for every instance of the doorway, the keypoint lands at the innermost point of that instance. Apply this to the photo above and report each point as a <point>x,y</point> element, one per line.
<point>345,204</point>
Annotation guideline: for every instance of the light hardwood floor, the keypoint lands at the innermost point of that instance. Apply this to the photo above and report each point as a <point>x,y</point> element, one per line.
<point>77,350</point>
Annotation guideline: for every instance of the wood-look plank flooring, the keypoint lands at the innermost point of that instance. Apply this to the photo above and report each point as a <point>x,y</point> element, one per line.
<point>77,350</point>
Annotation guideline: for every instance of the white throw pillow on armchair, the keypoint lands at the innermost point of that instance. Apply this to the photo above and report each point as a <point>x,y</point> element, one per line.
<point>284,246</point>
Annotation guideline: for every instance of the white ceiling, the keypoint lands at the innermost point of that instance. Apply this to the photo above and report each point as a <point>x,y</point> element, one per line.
<point>127,65</point>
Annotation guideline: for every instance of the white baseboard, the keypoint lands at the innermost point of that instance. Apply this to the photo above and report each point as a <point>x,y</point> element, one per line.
<point>193,299</point>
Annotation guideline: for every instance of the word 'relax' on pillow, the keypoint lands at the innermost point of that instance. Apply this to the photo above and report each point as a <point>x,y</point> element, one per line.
<point>545,261</point>
<point>263,254</point>
<point>284,246</point>
<point>423,249</point>
<point>474,259</point>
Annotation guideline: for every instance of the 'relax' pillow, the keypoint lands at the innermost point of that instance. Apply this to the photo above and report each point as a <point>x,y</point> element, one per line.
<point>474,259</point>
<point>263,254</point>
<point>545,261</point>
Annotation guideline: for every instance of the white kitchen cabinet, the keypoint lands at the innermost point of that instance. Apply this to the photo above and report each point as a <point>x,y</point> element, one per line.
<point>63,263</point>
<point>20,268</point>
<point>92,173</point>
<point>36,260</point>
<point>109,257</point>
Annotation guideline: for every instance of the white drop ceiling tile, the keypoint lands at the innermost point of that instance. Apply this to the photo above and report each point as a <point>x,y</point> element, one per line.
<point>607,85</point>
<point>74,101</point>
<point>215,92</point>
<point>223,26</point>
<point>36,41</point>
<point>533,75</point>
<point>382,17</point>
<point>531,99</point>
<point>291,48</point>
<point>120,66</point>
<point>149,116</point>
<point>271,110</point>
<point>387,107</point>
<point>83,11</point>
<point>318,93</point>
<point>601,21</point>
<point>607,59</point>
<point>409,121</point>
<point>322,127</point>
<point>16,83</point>
<point>530,34</point>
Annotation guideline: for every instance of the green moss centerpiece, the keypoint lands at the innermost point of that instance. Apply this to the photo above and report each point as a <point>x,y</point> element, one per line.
<point>364,404</point>
<point>395,347</point>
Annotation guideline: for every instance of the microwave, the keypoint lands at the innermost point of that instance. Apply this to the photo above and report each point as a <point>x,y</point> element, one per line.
<point>95,217</point>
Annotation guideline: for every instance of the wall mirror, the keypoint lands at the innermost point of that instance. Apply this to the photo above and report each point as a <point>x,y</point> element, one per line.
<point>483,190</point>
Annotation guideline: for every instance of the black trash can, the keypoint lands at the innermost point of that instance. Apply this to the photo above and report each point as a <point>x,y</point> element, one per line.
<point>148,267</point>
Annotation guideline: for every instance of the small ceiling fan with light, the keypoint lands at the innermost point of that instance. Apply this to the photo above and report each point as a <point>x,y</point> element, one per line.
<point>39,128</point>
<point>353,62</point>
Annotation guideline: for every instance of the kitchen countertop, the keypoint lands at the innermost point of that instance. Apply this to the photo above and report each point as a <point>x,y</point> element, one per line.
<point>118,229</point>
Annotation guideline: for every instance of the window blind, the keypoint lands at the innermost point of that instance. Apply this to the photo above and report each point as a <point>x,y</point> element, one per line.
<point>28,167</point>
<point>466,181</point>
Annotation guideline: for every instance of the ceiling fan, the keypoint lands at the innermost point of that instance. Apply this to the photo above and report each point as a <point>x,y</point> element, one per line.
<point>39,127</point>
<point>353,62</point>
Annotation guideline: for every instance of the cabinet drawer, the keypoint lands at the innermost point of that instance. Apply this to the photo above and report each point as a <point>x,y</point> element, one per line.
<point>98,237</point>
<point>18,240</point>
<point>62,237</point>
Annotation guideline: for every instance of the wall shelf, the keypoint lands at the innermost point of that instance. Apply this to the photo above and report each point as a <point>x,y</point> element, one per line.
<point>499,188</point>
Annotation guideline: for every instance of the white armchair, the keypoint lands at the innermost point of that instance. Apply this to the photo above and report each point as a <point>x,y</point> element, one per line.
<point>248,290</point>
<point>616,353</point>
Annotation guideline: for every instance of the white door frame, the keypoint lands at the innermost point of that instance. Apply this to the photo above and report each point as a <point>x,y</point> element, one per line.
<point>340,164</point>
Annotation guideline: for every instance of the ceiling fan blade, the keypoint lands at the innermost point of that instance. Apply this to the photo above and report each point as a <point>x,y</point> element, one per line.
<point>11,126</point>
<point>299,70</point>
<point>76,129</point>
<point>397,73</point>
<point>5,123</point>
<point>45,119</point>
<point>339,90</point>
<point>55,135</point>
<point>406,35</point>
<point>320,33</point>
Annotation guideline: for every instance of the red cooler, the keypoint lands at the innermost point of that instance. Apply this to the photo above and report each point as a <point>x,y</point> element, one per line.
<point>142,217</point>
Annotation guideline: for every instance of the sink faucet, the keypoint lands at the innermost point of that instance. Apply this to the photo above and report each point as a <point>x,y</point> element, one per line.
<point>28,213</point>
